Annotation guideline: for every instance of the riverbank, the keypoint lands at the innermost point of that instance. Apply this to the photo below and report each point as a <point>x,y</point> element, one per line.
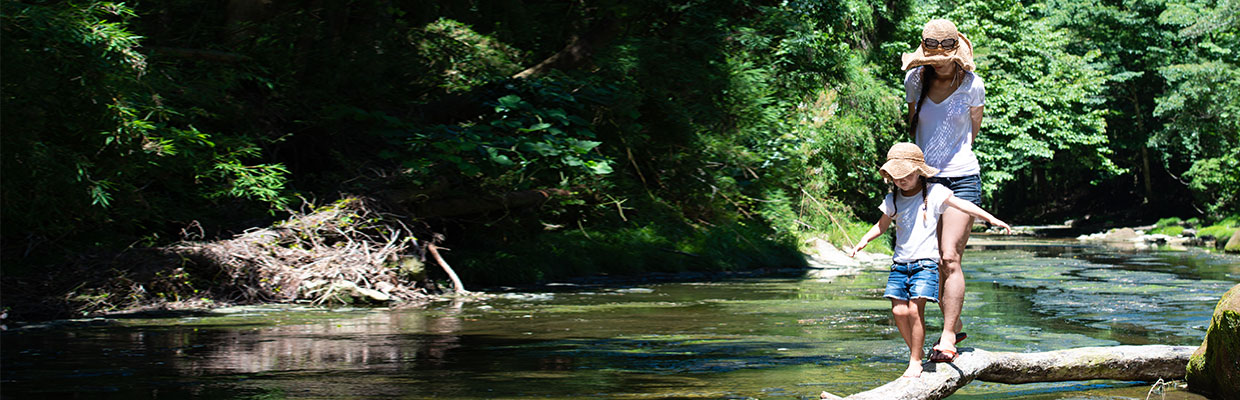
<point>356,251</point>
<point>353,252</point>
<point>823,262</point>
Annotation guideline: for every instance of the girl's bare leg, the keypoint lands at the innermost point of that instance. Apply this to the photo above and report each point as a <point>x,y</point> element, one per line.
<point>916,336</point>
<point>900,311</point>
<point>954,227</point>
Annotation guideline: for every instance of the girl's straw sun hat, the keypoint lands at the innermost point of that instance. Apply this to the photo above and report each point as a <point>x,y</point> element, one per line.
<point>940,30</point>
<point>904,159</point>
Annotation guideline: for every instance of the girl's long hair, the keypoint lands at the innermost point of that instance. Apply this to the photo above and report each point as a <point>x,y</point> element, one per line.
<point>925,204</point>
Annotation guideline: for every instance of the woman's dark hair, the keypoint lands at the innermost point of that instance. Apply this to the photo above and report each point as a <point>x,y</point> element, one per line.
<point>895,191</point>
<point>928,74</point>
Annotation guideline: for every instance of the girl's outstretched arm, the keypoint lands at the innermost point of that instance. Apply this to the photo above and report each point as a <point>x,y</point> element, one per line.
<point>874,231</point>
<point>974,210</point>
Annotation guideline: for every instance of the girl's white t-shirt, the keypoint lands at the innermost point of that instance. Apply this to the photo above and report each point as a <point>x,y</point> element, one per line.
<point>944,130</point>
<point>916,222</point>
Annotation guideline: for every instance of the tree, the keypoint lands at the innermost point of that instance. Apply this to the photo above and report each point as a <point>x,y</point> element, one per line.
<point>1201,138</point>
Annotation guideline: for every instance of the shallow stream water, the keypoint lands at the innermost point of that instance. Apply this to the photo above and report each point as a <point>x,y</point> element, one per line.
<point>784,335</point>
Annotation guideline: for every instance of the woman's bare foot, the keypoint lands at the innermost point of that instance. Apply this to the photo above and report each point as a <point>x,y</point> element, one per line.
<point>913,371</point>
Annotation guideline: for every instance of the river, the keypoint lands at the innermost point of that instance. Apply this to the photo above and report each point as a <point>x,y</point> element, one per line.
<point>782,335</point>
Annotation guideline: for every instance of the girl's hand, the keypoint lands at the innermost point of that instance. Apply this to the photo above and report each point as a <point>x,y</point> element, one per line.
<point>852,253</point>
<point>1007,229</point>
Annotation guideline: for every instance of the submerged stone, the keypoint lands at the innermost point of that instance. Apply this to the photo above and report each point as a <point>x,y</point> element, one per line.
<point>1214,368</point>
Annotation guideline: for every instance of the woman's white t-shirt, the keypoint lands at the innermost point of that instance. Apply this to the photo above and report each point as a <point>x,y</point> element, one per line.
<point>945,130</point>
<point>916,222</point>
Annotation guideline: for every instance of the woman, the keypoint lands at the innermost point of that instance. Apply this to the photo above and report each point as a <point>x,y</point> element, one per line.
<point>945,101</point>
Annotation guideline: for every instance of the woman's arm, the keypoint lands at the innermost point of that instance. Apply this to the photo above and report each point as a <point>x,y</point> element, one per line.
<point>974,210</point>
<point>975,114</point>
<point>876,230</point>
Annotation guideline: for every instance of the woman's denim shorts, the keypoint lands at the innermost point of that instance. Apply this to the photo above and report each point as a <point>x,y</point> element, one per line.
<point>917,279</point>
<point>965,187</point>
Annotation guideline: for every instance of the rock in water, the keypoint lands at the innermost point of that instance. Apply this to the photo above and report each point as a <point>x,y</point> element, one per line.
<point>1233,245</point>
<point>1214,368</point>
<point>1122,234</point>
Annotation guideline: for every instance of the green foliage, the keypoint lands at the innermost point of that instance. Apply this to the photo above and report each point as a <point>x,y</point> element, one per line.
<point>91,140</point>
<point>708,134</point>
<point>464,58</point>
<point>262,182</point>
<point>1172,67</point>
<point>1201,138</point>
<point>1043,113</point>
<point>547,132</point>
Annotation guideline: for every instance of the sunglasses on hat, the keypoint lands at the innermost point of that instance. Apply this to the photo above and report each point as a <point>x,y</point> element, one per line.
<point>945,44</point>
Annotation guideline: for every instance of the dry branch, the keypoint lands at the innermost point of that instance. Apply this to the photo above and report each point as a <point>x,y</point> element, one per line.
<point>457,286</point>
<point>1125,363</point>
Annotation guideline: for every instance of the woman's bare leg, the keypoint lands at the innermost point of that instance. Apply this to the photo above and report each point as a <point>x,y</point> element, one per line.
<point>954,228</point>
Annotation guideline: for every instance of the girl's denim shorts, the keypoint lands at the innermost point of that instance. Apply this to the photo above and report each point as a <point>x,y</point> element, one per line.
<point>917,279</point>
<point>965,187</point>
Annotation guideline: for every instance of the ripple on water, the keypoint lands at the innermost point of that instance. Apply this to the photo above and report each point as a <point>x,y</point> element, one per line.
<point>1150,299</point>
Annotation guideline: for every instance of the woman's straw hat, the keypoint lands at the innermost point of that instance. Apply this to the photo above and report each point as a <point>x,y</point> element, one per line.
<point>904,159</point>
<point>940,29</point>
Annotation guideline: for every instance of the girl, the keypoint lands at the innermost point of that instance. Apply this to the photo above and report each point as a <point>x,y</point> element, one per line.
<point>945,102</point>
<point>915,206</point>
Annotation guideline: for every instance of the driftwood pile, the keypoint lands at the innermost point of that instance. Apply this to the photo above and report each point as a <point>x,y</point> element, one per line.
<point>351,251</point>
<point>1124,363</point>
<point>346,252</point>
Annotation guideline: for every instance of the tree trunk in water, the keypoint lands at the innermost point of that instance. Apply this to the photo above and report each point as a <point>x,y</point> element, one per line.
<point>1125,363</point>
<point>1145,148</point>
<point>1145,166</point>
<point>457,286</point>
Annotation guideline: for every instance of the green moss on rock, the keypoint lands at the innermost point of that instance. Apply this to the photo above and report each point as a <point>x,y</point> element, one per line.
<point>1233,245</point>
<point>1214,368</point>
<point>1168,230</point>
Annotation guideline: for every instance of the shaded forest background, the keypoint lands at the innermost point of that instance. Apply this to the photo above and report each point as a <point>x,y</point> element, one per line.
<point>546,139</point>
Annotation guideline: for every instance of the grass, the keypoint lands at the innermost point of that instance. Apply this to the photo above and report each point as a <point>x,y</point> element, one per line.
<point>1223,229</point>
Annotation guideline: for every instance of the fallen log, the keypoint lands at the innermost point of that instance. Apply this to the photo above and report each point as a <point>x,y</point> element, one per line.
<point>1123,363</point>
